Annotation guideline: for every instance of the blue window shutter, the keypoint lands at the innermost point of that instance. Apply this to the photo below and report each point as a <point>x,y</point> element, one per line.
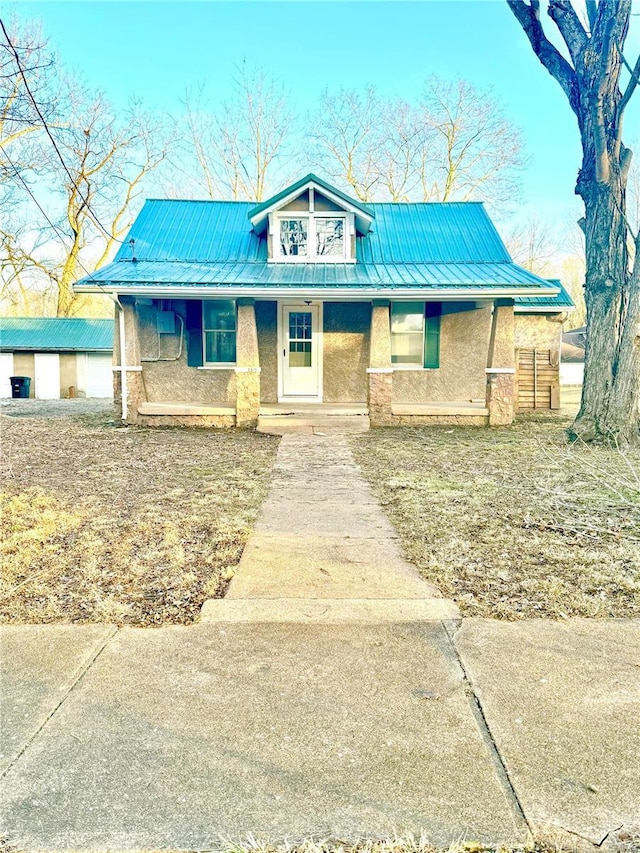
<point>194,333</point>
<point>432,312</point>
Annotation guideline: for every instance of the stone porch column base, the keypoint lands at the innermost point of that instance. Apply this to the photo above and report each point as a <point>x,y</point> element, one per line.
<point>501,395</point>
<point>380,395</point>
<point>247,396</point>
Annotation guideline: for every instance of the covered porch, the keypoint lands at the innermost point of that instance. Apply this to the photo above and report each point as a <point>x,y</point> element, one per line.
<point>347,348</point>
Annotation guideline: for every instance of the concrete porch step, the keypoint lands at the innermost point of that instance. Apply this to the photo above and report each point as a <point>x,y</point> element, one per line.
<point>281,418</point>
<point>280,425</point>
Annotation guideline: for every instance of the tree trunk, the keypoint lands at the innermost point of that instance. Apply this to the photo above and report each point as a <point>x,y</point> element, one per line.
<point>609,407</point>
<point>590,78</point>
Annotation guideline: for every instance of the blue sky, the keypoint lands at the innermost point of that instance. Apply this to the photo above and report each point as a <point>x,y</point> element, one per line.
<point>156,50</point>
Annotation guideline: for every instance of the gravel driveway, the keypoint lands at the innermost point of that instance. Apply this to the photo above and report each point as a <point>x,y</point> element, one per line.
<point>22,408</point>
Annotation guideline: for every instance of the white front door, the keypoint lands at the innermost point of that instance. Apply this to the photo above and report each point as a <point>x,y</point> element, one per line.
<point>300,352</point>
<point>47,370</point>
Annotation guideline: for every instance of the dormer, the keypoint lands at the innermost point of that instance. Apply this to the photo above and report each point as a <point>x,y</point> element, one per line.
<point>311,222</point>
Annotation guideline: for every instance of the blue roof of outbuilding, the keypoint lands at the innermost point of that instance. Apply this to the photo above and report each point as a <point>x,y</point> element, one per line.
<point>195,246</point>
<point>536,304</point>
<point>55,334</point>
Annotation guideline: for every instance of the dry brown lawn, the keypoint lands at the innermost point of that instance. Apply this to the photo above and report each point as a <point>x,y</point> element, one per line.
<point>118,525</point>
<point>513,522</point>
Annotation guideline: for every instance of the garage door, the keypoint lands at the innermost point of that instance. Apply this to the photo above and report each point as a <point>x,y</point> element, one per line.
<point>47,370</point>
<point>99,375</point>
<point>6,370</point>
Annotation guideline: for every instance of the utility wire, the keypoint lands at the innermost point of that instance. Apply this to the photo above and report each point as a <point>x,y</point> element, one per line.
<point>16,56</point>
<point>56,230</point>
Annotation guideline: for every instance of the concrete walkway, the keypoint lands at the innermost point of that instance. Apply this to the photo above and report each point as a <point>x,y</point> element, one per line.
<point>322,549</point>
<point>333,694</point>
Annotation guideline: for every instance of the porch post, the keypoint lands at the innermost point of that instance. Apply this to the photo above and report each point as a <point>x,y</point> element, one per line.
<point>501,370</point>
<point>379,371</point>
<point>247,365</point>
<point>128,385</point>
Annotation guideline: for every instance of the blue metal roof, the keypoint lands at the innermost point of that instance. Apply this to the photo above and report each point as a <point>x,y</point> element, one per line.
<point>182,245</point>
<point>214,231</point>
<point>55,334</point>
<point>148,274</point>
<point>561,302</point>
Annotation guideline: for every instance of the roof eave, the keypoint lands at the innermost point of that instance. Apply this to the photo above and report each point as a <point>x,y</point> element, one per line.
<point>451,292</point>
<point>548,308</point>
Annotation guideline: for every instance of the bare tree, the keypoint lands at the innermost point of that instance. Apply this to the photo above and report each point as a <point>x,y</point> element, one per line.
<point>106,159</point>
<point>531,244</point>
<point>400,145</point>
<point>474,152</point>
<point>591,76</point>
<point>91,160</point>
<point>346,136</point>
<point>456,144</point>
<point>238,144</point>
<point>24,62</point>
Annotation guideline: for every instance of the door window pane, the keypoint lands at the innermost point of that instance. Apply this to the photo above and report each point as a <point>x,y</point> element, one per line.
<point>300,325</point>
<point>293,237</point>
<point>299,353</point>
<point>330,237</point>
<point>300,331</point>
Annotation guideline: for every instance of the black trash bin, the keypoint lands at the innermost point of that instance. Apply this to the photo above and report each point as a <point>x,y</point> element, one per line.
<point>20,386</point>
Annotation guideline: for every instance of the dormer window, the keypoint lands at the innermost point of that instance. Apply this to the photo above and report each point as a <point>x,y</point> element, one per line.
<point>318,236</point>
<point>330,237</point>
<point>311,222</point>
<point>294,235</point>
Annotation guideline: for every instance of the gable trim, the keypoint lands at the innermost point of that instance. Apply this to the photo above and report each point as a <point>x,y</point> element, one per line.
<point>258,215</point>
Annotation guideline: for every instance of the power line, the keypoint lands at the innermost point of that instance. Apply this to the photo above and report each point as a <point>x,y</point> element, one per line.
<point>56,230</point>
<point>16,56</point>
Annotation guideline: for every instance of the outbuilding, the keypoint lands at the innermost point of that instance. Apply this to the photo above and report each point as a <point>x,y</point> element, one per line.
<point>63,357</point>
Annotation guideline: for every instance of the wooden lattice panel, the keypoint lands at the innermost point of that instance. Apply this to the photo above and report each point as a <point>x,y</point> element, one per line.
<point>538,380</point>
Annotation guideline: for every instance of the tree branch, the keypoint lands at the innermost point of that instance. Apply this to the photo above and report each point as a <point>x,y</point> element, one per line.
<point>565,18</point>
<point>631,85</point>
<point>528,16</point>
<point>592,12</point>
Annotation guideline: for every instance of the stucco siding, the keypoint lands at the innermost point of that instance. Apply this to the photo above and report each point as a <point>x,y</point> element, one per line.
<point>464,342</point>
<point>539,331</point>
<point>267,323</point>
<point>346,351</point>
<point>68,373</point>
<point>173,380</point>
<point>24,365</point>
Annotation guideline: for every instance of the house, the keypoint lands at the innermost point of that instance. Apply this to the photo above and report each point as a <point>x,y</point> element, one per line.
<point>62,357</point>
<point>313,303</point>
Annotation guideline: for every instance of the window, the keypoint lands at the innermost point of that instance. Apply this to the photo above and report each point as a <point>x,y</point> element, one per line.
<point>312,237</point>
<point>219,331</point>
<point>330,237</point>
<point>300,332</point>
<point>415,334</point>
<point>293,237</point>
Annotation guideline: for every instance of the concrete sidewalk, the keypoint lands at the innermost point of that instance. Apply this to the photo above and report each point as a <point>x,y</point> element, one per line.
<point>190,738</point>
<point>332,694</point>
